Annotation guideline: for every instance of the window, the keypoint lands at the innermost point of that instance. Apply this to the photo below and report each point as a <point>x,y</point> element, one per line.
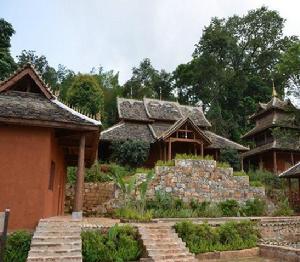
<point>52,176</point>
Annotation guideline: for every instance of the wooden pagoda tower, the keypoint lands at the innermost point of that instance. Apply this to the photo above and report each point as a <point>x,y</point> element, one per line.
<point>268,152</point>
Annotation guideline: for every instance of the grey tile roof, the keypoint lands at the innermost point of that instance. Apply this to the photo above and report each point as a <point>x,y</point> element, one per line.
<point>222,142</point>
<point>151,110</point>
<point>293,171</point>
<point>128,130</point>
<point>35,106</point>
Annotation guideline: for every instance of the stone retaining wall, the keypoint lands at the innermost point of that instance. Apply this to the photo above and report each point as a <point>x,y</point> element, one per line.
<point>203,180</point>
<point>188,179</point>
<point>99,198</point>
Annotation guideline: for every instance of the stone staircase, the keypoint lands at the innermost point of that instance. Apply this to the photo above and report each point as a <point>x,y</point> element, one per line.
<point>56,240</point>
<point>163,244</point>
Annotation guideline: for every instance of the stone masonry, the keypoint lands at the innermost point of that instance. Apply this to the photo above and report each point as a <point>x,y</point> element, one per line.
<point>203,180</point>
<point>187,179</point>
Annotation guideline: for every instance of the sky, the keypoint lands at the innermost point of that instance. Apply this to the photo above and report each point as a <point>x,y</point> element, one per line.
<point>118,34</point>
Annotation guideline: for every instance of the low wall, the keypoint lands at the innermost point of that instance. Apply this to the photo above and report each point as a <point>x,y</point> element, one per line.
<point>280,231</point>
<point>279,253</point>
<point>203,180</point>
<point>99,198</point>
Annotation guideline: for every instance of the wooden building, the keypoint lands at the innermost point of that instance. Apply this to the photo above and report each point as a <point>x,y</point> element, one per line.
<point>39,138</point>
<point>293,173</point>
<point>267,151</point>
<point>169,128</point>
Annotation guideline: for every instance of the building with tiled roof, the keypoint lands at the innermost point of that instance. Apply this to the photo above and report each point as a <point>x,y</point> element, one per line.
<point>39,137</point>
<point>168,127</point>
<point>268,152</point>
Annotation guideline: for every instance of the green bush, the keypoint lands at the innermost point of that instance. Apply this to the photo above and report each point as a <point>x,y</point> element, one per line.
<point>255,207</point>
<point>119,244</point>
<point>17,246</point>
<point>283,209</point>
<point>229,208</point>
<point>130,152</point>
<point>268,179</point>
<point>202,238</point>
<point>230,156</point>
<point>95,174</point>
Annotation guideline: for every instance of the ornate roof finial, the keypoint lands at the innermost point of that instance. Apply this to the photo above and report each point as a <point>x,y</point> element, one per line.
<point>274,93</point>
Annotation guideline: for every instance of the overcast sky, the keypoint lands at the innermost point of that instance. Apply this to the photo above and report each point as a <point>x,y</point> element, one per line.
<point>118,34</point>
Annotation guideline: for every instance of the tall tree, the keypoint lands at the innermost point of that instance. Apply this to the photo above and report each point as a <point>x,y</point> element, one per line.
<point>146,81</point>
<point>109,81</point>
<point>233,66</point>
<point>7,63</point>
<point>86,94</point>
<point>41,64</point>
<point>289,67</point>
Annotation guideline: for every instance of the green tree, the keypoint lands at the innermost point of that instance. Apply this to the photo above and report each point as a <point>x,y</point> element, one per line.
<point>86,94</point>
<point>232,68</point>
<point>289,67</point>
<point>109,81</point>
<point>41,64</point>
<point>7,63</point>
<point>146,81</point>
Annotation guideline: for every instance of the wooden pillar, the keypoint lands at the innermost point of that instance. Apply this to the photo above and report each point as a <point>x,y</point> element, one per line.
<point>165,152</point>
<point>160,152</point>
<point>202,151</point>
<point>77,212</point>
<point>261,164</point>
<point>299,188</point>
<point>242,164</point>
<point>170,150</point>
<point>275,162</point>
<point>292,159</point>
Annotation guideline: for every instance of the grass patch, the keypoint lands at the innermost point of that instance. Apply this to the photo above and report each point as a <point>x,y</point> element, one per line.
<point>239,173</point>
<point>120,244</point>
<point>165,163</point>
<point>223,165</point>
<point>132,213</point>
<point>202,238</point>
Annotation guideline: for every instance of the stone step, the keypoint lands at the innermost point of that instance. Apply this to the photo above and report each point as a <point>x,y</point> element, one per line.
<point>163,244</point>
<point>56,241</point>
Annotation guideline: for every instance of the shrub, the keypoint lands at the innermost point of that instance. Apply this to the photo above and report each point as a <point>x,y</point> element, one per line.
<point>132,213</point>
<point>229,208</point>
<point>165,163</point>
<point>230,156</point>
<point>256,183</point>
<point>130,152</point>
<point>266,178</point>
<point>120,243</point>
<point>254,207</point>
<point>229,236</point>
<point>283,209</point>
<point>17,246</point>
<point>193,157</point>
